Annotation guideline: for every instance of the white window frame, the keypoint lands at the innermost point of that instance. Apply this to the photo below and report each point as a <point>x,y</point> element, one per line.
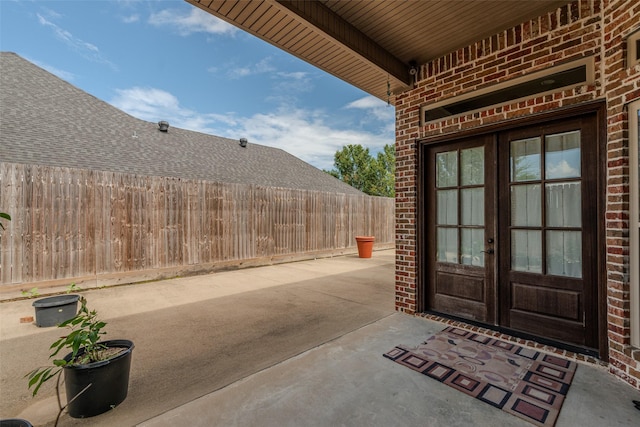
<point>634,222</point>
<point>633,49</point>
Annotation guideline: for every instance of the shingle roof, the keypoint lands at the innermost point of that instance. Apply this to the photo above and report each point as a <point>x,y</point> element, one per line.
<point>47,121</point>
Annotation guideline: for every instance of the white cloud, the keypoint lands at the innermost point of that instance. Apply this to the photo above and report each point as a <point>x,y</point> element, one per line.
<point>366,103</point>
<point>377,111</point>
<point>195,21</point>
<point>86,49</point>
<point>562,169</point>
<point>261,67</point>
<point>296,75</point>
<point>131,19</point>
<point>148,103</point>
<point>306,134</point>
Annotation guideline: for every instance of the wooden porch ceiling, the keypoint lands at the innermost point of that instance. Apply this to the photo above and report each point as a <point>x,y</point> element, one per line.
<point>367,43</point>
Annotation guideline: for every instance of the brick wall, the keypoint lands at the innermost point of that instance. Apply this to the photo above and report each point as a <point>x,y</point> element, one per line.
<point>622,85</point>
<point>583,28</point>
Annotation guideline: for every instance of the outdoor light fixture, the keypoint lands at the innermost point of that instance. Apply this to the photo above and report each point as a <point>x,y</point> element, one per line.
<point>413,71</point>
<point>243,142</point>
<point>163,126</point>
<point>413,68</point>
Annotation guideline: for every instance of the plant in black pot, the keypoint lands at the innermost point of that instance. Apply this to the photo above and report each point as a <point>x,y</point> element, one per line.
<point>96,373</point>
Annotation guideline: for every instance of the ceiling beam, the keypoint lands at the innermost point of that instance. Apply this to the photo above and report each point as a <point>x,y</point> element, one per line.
<point>340,31</point>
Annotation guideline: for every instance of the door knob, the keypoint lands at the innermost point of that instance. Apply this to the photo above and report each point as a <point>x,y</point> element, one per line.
<point>488,251</point>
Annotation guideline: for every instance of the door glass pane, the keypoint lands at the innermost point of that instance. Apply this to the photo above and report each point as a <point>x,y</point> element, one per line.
<point>447,207</point>
<point>447,169</point>
<point>564,204</point>
<point>562,155</point>
<point>525,159</point>
<point>525,205</point>
<point>472,166</point>
<point>472,246</point>
<point>526,250</point>
<point>447,245</point>
<point>472,206</point>
<point>564,253</point>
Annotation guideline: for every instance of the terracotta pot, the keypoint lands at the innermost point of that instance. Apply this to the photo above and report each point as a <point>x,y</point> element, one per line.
<point>365,246</point>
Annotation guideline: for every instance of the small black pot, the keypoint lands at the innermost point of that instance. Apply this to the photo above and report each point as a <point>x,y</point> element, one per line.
<point>109,381</point>
<point>54,310</point>
<point>15,422</point>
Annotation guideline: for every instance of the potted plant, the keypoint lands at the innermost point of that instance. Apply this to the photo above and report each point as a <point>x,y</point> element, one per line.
<point>96,373</point>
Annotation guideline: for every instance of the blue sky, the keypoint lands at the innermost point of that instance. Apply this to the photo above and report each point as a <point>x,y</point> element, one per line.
<point>168,60</point>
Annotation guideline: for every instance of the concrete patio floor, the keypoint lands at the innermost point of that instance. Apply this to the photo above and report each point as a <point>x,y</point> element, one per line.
<point>296,344</point>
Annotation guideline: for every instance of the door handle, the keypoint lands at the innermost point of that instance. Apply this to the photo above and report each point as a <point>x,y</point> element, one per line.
<point>488,251</point>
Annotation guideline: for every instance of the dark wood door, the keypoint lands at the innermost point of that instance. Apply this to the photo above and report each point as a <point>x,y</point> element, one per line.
<point>511,230</point>
<point>461,233</point>
<point>548,268</point>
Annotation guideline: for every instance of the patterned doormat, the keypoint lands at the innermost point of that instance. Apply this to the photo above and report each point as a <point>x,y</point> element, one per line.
<point>519,380</point>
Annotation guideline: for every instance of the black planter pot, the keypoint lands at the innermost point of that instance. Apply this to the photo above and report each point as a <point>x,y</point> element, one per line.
<point>15,422</point>
<point>109,381</point>
<point>54,310</point>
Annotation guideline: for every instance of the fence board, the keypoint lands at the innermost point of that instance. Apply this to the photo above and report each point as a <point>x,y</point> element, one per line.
<point>77,223</point>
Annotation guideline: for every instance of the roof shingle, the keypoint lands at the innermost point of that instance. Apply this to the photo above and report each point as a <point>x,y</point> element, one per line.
<point>47,121</point>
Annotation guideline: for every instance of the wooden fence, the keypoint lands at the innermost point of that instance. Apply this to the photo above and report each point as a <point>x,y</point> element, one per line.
<point>73,225</point>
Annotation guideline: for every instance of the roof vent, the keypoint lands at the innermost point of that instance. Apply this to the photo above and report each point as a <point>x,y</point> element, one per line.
<point>163,126</point>
<point>243,142</point>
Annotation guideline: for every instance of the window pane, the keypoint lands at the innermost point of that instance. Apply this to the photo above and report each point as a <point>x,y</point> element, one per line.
<point>472,206</point>
<point>447,207</point>
<point>525,159</point>
<point>562,155</point>
<point>472,246</point>
<point>472,166</point>
<point>526,251</point>
<point>564,253</point>
<point>447,169</point>
<point>564,204</point>
<point>447,245</point>
<point>525,205</point>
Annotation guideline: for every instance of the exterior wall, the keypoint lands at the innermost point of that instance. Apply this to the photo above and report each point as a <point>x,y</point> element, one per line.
<point>622,85</point>
<point>583,28</point>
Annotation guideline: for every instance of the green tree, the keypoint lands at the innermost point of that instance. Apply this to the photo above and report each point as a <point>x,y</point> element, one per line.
<point>385,183</point>
<point>354,165</point>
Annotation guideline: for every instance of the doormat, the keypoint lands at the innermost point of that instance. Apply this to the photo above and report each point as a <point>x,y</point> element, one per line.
<point>519,380</point>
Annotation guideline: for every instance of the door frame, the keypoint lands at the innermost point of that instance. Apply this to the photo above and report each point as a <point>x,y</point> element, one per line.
<point>597,108</point>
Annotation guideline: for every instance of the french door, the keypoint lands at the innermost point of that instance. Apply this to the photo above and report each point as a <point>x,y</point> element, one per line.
<point>511,230</point>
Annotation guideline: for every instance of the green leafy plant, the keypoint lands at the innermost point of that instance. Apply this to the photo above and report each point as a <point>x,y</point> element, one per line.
<point>31,293</point>
<point>73,288</point>
<point>82,342</point>
<point>4,216</point>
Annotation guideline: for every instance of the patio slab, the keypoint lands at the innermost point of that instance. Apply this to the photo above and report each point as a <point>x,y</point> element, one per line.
<point>296,344</point>
<point>348,382</point>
